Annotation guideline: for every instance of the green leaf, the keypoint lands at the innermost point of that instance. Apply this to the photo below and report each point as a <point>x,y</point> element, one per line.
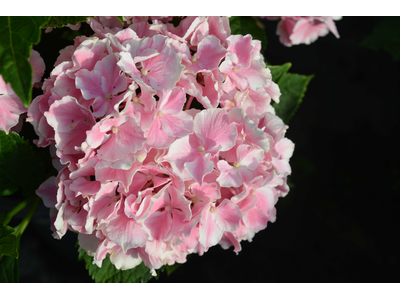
<point>248,25</point>
<point>108,273</point>
<point>278,71</point>
<point>20,166</point>
<point>292,87</point>
<point>8,241</point>
<point>120,18</point>
<point>9,270</point>
<point>385,36</point>
<point>58,22</point>
<point>172,268</point>
<point>17,34</point>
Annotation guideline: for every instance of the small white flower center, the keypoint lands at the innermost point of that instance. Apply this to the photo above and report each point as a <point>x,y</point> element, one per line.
<point>145,72</point>
<point>213,209</point>
<point>136,100</point>
<point>168,208</point>
<point>114,129</point>
<point>160,114</point>
<point>236,164</point>
<point>230,104</point>
<point>235,70</point>
<point>253,192</point>
<point>108,97</point>
<point>201,149</point>
<point>194,59</point>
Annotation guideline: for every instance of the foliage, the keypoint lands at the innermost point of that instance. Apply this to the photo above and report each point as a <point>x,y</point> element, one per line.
<point>20,166</point>
<point>108,273</point>
<point>292,87</point>
<point>17,35</point>
<point>58,22</point>
<point>385,36</point>
<point>8,241</point>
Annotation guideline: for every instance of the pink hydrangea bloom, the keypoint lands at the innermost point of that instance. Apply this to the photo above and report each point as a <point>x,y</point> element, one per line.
<point>143,177</point>
<point>305,30</point>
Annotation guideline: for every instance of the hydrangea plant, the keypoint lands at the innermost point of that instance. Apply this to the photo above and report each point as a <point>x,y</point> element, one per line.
<point>167,136</point>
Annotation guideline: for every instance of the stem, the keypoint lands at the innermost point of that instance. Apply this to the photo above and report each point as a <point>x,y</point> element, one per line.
<point>189,102</point>
<point>16,210</point>
<point>24,223</point>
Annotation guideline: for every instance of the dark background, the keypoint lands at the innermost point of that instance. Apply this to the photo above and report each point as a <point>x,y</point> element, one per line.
<point>339,223</point>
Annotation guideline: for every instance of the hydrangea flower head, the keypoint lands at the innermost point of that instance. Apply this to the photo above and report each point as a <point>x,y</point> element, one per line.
<point>143,175</point>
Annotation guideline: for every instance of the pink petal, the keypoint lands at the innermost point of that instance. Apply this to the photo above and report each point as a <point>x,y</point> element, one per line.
<point>252,132</point>
<point>48,192</point>
<point>228,216</point>
<point>241,46</point>
<point>249,157</point>
<point>124,232</point>
<point>209,54</point>
<point>125,177</point>
<point>89,242</point>
<point>108,68</point>
<point>159,223</point>
<point>156,137</point>
<point>307,31</point>
<point>159,78</point>
<point>124,260</point>
<point>11,108</point>
<point>229,176</point>
<point>38,66</point>
<point>255,220</point>
<point>209,233</point>
<point>178,125</point>
<point>91,84</point>
<point>179,153</point>
<point>199,167</point>
<point>212,127</point>
<point>228,239</point>
<point>172,101</point>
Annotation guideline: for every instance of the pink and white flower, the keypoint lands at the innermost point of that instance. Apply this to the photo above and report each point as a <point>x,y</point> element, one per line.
<point>142,176</point>
<point>305,30</point>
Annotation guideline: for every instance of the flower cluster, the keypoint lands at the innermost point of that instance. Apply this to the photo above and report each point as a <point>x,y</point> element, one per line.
<point>11,106</point>
<point>304,30</point>
<point>144,176</point>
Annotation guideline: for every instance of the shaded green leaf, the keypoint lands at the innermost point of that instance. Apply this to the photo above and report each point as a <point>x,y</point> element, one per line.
<point>292,87</point>
<point>278,71</point>
<point>69,35</point>
<point>17,35</point>
<point>108,273</point>
<point>58,22</point>
<point>8,241</point>
<point>9,269</point>
<point>9,272</point>
<point>120,18</point>
<point>385,36</point>
<point>20,166</point>
<point>172,268</point>
<point>248,25</point>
